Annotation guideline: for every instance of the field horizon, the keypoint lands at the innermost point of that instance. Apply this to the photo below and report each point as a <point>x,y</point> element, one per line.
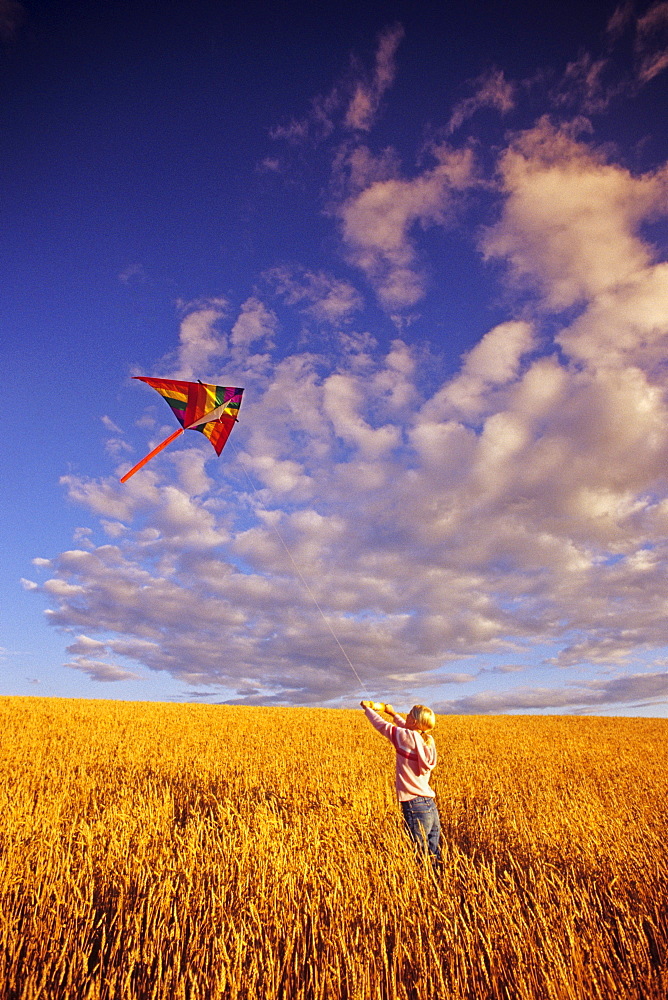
<point>197,851</point>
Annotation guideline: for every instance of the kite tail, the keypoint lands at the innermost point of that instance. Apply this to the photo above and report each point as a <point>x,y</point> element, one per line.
<point>152,454</point>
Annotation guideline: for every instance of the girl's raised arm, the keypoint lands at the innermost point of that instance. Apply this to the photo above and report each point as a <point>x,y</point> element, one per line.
<point>385,707</point>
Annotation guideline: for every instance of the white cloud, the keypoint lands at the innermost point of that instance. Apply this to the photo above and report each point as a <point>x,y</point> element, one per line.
<point>200,340</point>
<point>102,497</point>
<point>84,646</point>
<point>101,671</point>
<point>59,588</point>
<point>380,212</point>
<point>343,403</point>
<point>490,366</point>
<point>570,222</point>
<point>109,424</point>
<point>89,656</point>
<point>255,323</point>
<point>523,500</point>
<point>495,359</point>
<point>378,224</point>
<point>82,537</point>
<point>326,298</point>
<point>113,529</point>
<point>626,325</point>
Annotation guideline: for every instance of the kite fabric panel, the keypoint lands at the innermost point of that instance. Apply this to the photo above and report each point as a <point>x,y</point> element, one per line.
<point>191,401</point>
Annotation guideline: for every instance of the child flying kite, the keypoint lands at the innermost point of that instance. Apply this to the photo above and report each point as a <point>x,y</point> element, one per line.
<point>415,760</point>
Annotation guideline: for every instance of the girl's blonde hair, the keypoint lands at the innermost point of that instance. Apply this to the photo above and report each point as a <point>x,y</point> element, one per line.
<point>423,716</point>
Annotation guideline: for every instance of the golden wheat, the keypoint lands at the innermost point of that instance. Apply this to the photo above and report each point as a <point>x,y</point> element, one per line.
<point>160,851</point>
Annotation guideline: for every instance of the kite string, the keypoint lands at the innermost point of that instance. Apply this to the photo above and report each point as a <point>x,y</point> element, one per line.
<point>298,571</point>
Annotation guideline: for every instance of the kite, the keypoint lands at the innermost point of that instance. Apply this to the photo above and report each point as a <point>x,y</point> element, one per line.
<point>211,409</point>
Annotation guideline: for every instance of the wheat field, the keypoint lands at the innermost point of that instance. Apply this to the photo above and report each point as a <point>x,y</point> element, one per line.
<point>164,851</point>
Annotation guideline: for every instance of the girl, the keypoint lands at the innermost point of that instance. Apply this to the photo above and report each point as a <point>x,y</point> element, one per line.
<point>415,760</point>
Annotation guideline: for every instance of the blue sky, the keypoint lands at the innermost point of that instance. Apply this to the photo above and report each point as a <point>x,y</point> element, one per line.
<point>431,245</point>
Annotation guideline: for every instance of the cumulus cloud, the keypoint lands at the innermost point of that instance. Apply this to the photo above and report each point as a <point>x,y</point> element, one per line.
<point>378,222</point>
<point>84,650</point>
<point>521,501</point>
<point>200,339</point>
<point>84,646</point>
<point>571,219</point>
<point>101,670</point>
<point>379,210</point>
<point>322,296</point>
<point>487,369</point>
<point>255,324</point>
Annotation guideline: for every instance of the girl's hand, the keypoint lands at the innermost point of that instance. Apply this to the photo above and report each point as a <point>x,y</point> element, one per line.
<point>366,704</point>
<point>389,710</point>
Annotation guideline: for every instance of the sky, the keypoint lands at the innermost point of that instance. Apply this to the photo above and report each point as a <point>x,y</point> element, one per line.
<point>430,242</point>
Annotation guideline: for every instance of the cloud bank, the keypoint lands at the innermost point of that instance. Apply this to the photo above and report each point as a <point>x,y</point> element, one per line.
<point>523,501</point>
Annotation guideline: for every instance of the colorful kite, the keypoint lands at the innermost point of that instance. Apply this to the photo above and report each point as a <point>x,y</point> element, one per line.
<point>211,409</point>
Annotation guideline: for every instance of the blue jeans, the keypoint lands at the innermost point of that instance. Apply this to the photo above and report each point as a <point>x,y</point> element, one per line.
<point>423,825</point>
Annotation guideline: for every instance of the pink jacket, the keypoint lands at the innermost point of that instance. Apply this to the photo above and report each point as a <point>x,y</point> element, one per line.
<point>415,760</point>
